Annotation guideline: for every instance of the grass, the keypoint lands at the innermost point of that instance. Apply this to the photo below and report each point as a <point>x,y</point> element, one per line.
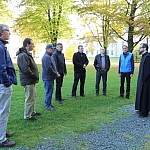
<point>74,116</point>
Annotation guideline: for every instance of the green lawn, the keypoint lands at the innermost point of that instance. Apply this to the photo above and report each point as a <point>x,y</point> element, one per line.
<point>74,116</point>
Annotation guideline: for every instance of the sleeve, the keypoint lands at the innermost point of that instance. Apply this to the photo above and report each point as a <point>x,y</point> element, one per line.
<point>132,64</point>
<point>55,59</point>
<point>65,68</point>
<point>146,69</point>
<point>119,64</point>
<point>108,63</point>
<point>48,66</point>
<point>86,60</point>
<point>5,78</point>
<point>23,64</point>
<point>95,62</point>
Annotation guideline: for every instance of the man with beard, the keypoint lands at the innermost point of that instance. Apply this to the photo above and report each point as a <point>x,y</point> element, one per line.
<point>142,103</point>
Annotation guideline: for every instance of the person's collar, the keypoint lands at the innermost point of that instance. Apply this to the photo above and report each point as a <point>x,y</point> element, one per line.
<point>49,53</point>
<point>3,41</point>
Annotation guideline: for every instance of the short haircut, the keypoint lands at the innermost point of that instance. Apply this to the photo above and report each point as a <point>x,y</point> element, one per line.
<point>26,41</point>
<point>124,46</point>
<point>58,44</point>
<point>80,46</point>
<point>144,45</point>
<point>3,27</point>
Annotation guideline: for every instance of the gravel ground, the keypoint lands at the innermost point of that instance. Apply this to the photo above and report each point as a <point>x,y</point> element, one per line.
<point>127,133</point>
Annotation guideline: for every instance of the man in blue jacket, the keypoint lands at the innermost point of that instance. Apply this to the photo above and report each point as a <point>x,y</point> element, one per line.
<point>7,78</point>
<point>49,73</point>
<point>126,70</point>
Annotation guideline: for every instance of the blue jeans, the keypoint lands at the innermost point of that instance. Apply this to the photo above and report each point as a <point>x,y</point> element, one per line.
<point>101,74</point>
<point>49,86</point>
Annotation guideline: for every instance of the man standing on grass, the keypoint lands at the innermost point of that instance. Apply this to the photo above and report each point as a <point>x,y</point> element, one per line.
<point>102,65</point>
<point>49,73</point>
<point>29,76</point>
<point>7,78</point>
<point>61,69</point>
<point>125,70</point>
<point>80,62</point>
<point>142,103</point>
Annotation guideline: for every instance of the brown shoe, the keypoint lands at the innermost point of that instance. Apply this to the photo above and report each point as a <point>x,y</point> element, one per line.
<point>9,134</point>
<point>8,143</point>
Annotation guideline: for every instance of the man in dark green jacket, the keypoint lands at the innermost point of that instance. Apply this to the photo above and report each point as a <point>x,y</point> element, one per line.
<point>29,76</point>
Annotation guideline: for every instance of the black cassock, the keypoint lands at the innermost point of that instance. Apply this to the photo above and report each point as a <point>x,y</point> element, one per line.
<point>142,102</point>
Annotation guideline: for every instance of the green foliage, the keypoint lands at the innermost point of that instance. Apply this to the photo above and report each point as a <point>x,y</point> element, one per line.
<point>5,12</point>
<point>45,20</point>
<point>74,116</point>
<point>128,20</point>
<point>70,51</point>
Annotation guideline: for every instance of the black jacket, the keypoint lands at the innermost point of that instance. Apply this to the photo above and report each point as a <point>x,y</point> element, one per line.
<point>27,67</point>
<point>98,62</point>
<point>79,61</point>
<point>59,61</point>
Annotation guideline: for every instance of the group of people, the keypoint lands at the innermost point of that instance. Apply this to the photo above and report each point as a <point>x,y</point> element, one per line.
<point>54,67</point>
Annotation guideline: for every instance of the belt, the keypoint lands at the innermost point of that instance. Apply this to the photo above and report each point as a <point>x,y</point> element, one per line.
<point>98,70</point>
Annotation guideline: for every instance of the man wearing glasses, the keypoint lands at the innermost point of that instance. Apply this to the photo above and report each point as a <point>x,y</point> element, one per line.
<point>102,65</point>
<point>142,103</point>
<point>7,78</point>
<point>29,76</point>
<point>125,70</point>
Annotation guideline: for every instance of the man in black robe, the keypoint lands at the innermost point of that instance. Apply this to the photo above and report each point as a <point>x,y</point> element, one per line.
<point>142,103</point>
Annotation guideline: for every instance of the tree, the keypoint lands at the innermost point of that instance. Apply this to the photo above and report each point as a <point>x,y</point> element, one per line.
<point>120,17</point>
<point>135,20</point>
<point>4,11</point>
<point>45,20</point>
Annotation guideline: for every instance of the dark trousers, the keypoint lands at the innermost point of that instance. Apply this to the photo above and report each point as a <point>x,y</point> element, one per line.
<point>128,79</point>
<point>100,74</point>
<point>59,82</point>
<point>77,77</point>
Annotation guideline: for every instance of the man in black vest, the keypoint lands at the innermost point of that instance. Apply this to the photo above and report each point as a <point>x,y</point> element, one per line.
<point>80,62</point>
<point>102,65</point>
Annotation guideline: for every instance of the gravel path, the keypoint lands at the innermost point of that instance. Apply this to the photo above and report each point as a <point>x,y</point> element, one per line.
<point>128,133</point>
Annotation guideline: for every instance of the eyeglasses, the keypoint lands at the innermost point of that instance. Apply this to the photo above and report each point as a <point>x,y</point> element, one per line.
<point>32,44</point>
<point>141,47</point>
<point>5,30</point>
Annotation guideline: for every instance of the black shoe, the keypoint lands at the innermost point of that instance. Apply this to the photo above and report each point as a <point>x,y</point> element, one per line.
<point>73,96</point>
<point>60,102</point>
<point>127,97</point>
<point>82,95</point>
<point>97,94</point>
<point>31,119</point>
<point>104,94</point>
<point>36,114</point>
<point>138,112</point>
<point>143,115</point>
<point>7,143</point>
<point>121,95</point>
<point>9,134</point>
